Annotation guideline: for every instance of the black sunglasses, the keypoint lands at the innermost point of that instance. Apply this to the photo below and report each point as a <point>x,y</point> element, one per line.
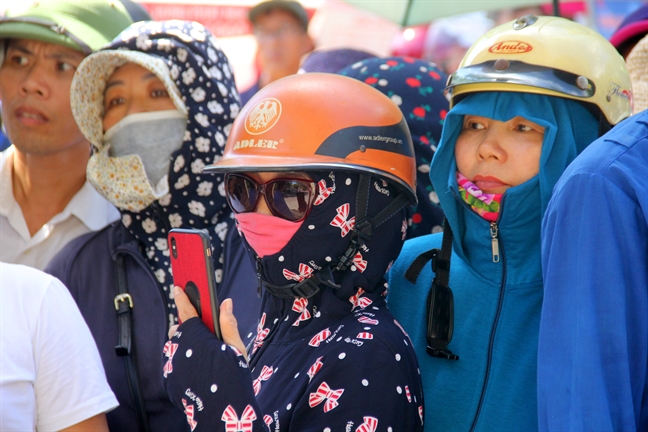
<point>287,198</point>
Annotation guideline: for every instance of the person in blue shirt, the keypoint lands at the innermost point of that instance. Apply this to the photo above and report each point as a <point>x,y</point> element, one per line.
<point>527,99</point>
<point>593,346</point>
<point>592,351</point>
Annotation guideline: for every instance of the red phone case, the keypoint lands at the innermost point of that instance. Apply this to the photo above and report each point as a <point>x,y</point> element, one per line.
<point>193,271</point>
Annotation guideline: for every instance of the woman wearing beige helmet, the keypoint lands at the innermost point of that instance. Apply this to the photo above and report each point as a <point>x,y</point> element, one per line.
<point>526,100</point>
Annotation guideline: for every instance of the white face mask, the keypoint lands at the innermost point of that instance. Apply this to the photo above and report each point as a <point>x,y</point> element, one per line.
<point>131,170</point>
<point>153,136</point>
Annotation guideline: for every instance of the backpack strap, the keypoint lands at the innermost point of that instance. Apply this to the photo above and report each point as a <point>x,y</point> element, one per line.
<point>440,301</point>
<point>124,347</point>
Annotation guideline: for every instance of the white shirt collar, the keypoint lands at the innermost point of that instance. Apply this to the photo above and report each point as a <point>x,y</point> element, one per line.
<point>87,205</point>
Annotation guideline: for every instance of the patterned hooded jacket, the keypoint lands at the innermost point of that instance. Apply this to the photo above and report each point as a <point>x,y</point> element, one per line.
<point>197,75</point>
<point>334,361</point>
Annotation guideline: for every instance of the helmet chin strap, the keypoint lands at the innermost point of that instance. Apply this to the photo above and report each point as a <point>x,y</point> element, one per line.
<point>361,233</point>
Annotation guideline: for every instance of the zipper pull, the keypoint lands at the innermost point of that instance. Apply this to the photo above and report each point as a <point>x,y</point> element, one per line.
<point>494,242</point>
<point>258,274</point>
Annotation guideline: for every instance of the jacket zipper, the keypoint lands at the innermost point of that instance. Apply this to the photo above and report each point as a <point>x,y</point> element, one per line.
<point>494,232</point>
<point>258,275</point>
<point>498,253</point>
<point>497,250</point>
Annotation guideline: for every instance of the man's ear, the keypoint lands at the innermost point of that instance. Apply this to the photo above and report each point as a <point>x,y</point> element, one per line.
<point>309,45</point>
<point>3,49</point>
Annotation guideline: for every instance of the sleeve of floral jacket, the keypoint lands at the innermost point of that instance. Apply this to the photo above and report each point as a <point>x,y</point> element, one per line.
<point>343,378</point>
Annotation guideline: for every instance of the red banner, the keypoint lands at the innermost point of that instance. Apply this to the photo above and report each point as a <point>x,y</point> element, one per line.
<point>221,20</point>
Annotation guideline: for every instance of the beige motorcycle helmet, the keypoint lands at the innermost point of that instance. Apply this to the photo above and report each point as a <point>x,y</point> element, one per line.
<point>530,55</point>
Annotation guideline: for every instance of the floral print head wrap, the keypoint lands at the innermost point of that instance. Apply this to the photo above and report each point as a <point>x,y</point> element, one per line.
<point>189,61</point>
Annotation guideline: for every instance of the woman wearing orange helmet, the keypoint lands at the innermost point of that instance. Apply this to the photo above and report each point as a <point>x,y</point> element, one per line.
<point>526,100</point>
<point>318,170</point>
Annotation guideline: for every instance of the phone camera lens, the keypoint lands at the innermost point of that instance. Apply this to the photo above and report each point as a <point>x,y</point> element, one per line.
<point>174,248</point>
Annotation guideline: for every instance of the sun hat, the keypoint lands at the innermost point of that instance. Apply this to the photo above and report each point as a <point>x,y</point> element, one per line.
<point>89,85</point>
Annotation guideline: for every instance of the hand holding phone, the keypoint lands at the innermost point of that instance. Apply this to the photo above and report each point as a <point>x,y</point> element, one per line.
<point>193,271</point>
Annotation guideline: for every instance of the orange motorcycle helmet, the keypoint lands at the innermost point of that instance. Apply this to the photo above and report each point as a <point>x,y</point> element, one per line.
<point>320,121</point>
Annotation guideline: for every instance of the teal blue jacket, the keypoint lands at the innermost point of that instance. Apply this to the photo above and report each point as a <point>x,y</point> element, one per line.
<point>496,304</point>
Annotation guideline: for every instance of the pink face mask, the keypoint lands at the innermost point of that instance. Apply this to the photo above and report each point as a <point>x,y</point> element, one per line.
<point>266,234</point>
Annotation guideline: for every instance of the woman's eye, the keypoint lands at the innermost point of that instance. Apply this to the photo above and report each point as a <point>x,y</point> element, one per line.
<point>115,101</point>
<point>159,93</point>
<point>524,128</point>
<point>475,126</point>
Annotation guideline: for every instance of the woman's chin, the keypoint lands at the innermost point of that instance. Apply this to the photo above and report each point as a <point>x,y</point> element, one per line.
<point>495,190</point>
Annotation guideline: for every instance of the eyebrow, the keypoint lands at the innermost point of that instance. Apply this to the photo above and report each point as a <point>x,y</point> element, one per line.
<point>63,55</point>
<point>146,77</point>
<point>18,47</point>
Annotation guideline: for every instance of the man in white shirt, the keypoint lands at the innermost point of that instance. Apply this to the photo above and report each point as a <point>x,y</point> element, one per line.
<point>51,376</point>
<point>45,200</point>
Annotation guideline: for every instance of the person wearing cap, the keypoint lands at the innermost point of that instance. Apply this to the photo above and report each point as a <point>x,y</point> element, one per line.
<point>46,200</point>
<point>318,171</point>
<point>448,39</point>
<point>157,104</point>
<point>528,97</point>
<point>281,31</point>
<point>631,30</point>
<point>593,350</point>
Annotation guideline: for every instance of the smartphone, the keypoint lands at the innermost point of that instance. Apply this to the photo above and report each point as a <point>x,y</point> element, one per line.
<point>193,271</point>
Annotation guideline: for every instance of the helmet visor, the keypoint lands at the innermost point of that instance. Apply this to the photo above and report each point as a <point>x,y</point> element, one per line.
<point>504,71</point>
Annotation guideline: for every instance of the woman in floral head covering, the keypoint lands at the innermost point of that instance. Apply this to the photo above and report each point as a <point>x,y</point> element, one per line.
<point>416,86</point>
<point>157,105</point>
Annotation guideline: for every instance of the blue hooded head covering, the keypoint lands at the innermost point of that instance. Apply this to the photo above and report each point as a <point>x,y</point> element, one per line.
<point>569,128</point>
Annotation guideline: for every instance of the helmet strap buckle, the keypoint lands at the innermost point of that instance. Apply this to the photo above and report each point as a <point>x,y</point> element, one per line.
<point>362,231</point>
<point>306,288</point>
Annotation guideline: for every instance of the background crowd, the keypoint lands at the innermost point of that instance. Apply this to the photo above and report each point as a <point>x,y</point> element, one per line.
<point>487,272</point>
